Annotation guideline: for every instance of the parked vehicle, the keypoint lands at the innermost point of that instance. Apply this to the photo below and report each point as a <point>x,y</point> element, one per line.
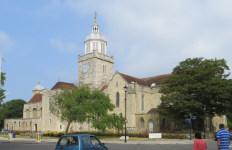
<point>5,131</point>
<point>230,135</point>
<point>82,142</point>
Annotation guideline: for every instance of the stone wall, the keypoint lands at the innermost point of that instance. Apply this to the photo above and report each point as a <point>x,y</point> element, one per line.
<point>101,69</point>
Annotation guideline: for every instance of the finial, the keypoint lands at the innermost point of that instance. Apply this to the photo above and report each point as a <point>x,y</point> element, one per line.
<point>38,83</point>
<point>95,16</point>
<point>58,79</point>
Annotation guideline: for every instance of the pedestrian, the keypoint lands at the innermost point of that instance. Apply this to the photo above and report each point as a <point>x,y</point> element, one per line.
<point>223,138</point>
<point>199,143</point>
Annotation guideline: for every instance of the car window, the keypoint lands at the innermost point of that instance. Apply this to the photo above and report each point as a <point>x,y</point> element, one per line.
<point>86,140</point>
<point>68,140</point>
<point>95,140</point>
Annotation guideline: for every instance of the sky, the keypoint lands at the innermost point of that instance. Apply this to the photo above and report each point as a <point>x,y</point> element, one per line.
<point>41,40</point>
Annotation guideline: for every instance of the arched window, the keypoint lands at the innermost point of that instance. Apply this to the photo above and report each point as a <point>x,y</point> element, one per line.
<point>151,125</point>
<point>141,122</point>
<point>142,101</point>
<point>40,112</point>
<point>27,113</point>
<point>34,112</point>
<point>117,99</point>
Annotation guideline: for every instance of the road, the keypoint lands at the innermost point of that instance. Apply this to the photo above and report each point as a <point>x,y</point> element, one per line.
<point>51,146</point>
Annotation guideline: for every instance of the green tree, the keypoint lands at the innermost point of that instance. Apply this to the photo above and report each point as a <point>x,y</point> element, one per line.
<point>80,105</point>
<point>3,79</point>
<point>118,121</point>
<point>194,83</point>
<point>11,109</point>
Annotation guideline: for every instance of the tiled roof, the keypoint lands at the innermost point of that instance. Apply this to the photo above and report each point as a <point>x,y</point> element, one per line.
<point>103,88</point>
<point>152,111</point>
<point>36,98</point>
<point>64,84</point>
<point>157,79</point>
<point>146,81</point>
<point>129,79</point>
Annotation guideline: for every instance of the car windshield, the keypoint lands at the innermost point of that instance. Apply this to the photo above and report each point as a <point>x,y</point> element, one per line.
<point>68,141</point>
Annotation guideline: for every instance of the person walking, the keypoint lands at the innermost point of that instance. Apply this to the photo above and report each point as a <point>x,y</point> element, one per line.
<point>223,138</point>
<point>199,143</point>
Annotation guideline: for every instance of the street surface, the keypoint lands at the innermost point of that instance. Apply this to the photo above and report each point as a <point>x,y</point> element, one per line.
<point>51,146</point>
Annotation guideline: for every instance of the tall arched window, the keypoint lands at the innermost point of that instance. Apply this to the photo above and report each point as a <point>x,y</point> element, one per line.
<point>117,99</point>
<point>27,113</point>
<point>141,122</point>
<point>142,101</point>
<point>40,112</point>
<point>34,112</point>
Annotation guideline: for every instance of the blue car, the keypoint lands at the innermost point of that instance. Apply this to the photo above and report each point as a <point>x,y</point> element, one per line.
<point>79,142</point>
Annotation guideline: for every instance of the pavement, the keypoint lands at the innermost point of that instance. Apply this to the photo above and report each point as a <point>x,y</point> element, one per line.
<point>138,142</point>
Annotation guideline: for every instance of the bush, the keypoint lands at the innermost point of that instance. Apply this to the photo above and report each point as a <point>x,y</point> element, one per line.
<point>229,124</point>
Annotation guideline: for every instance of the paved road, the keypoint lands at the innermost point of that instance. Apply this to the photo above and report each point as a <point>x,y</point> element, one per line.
<point>51,146</point>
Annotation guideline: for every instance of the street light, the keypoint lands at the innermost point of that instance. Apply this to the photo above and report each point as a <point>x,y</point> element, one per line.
<point>204,121</point>
<point>125,89</point>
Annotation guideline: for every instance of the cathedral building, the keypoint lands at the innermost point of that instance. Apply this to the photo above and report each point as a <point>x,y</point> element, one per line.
<point>96,70</point>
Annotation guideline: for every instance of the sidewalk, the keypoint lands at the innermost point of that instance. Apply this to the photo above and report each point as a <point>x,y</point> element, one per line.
<point>142,142</point>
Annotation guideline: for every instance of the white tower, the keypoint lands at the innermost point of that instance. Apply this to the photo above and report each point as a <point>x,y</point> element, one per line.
<point>95,41</point>
<point>95,68</point>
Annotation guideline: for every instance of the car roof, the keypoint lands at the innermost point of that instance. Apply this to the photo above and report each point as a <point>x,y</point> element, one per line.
<point>77,135</point>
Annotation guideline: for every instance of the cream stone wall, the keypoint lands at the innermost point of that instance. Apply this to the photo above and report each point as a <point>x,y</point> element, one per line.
<point>134,99</point>
<point>95,77</point>
<point>155,118</point>
<point>217,120</point>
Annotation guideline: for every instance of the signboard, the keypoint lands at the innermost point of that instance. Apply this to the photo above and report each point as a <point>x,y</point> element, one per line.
<point>193,117</point>
<point>155,135</point>
<point>189,120</point>
<point>38,137</point>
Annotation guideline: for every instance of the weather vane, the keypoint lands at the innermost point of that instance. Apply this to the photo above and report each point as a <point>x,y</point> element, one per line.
<point>95,16</point>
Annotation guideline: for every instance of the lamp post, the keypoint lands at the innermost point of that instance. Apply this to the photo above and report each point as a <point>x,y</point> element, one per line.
<point>204,121</point>
<point>125,89</point>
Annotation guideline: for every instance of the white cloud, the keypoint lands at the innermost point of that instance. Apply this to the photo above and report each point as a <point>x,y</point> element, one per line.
<point>5,42</point>
<point>151,37</point>
<point>69,47</point>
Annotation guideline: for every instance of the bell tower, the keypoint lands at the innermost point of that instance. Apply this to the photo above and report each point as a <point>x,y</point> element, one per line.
<point>95,68</point>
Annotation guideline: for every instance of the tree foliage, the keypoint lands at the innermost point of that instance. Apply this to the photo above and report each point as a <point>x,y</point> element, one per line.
<point>11,109</point>
<point>81,105</point>
<point>194,83</point>
<point>3,79</point>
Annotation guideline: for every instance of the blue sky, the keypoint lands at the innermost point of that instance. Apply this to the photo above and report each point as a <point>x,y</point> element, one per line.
<point>41,40</point>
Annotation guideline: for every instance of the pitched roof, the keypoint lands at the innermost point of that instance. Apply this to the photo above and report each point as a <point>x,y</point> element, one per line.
<point>157,79</point>
<point>36,98</point>
<point>152,111</point>
<point>146,81</point>
<point>64,84</point>
<point>103,88</point>
<point>129,79</point>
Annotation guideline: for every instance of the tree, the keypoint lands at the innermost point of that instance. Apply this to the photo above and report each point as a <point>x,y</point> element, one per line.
<point>11,109</point>
<point>3,79</point>
<point>81,105</point>
<point>194,83</point>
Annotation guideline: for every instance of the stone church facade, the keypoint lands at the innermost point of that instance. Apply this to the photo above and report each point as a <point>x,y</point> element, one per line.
<point>96,70</point>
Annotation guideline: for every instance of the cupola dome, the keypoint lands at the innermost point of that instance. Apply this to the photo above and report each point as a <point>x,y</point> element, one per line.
<point>95,40</point>
<point>38,87</point>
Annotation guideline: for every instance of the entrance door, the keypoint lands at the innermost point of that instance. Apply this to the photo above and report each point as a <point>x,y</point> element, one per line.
<point>150,126</point>
<point>35,127</point>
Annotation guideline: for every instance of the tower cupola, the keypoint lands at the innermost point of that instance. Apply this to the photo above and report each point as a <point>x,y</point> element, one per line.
<point>95,40</point>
